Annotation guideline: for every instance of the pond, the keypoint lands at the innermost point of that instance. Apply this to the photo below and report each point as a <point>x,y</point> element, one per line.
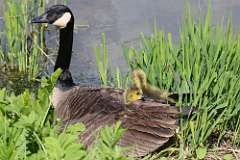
<point>122,21</point>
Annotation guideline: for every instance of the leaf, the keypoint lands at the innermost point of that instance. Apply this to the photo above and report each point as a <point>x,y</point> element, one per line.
<point>75,128</point>
<point>106,144</point>
<point>201,152</point>
<point>163,158</point>
<point>55,75</point>
<point>228,157</point>
<point>26,121</point>
<point>54,148</point>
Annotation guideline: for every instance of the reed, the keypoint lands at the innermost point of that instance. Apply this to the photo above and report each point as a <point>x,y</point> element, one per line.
<point>102,60</point>
<point>205,62</point>
<point>22,53</point>
<point>108,76</point>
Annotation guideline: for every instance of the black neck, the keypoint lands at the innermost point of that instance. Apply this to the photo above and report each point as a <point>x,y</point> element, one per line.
<point>65,53</point>
<point>65,47</point>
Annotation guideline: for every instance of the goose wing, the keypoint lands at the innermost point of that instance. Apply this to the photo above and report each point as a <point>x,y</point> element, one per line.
<point>149,123</point>
<point>95,107</point>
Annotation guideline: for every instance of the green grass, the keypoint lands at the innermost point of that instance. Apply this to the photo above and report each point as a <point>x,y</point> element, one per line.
<point>107,79</point>
<point>205,62</point>
<point>21,58</point>
<point>102,63</point>
<point>22,53</point>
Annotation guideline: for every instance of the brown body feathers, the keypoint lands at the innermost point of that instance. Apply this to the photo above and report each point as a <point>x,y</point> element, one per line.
<point>149,123</point>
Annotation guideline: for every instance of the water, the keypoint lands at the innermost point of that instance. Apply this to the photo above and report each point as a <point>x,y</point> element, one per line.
<point>122,21</point>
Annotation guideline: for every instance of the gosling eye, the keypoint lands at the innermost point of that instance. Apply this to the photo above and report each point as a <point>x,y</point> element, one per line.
<point>138,93</point>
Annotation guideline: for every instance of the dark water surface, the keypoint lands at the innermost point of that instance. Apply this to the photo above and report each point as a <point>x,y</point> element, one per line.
<point>122,21</point>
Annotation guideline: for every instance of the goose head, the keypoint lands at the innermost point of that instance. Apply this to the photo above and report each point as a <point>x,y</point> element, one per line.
<point>57,15</point>
<point>62,17</point>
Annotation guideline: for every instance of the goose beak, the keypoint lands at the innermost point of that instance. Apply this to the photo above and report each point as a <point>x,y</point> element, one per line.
<point>40,19</point>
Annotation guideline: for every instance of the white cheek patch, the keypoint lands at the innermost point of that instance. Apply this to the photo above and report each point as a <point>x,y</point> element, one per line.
<point>63,21</point>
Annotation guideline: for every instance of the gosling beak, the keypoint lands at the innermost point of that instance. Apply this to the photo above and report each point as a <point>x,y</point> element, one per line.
<point>40,19</point>
<point>142,98</point>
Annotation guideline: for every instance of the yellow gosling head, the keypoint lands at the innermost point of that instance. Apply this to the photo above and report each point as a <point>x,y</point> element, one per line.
<point>133,94</point>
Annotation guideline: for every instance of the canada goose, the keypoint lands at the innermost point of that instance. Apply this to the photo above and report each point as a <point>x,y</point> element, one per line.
<point>149,123</point>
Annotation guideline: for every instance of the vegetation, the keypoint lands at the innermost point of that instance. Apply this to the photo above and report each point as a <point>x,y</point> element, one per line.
<point>28,130</point>
<point>22,49</point>
<point>205,62</point>
<point>104,69</point>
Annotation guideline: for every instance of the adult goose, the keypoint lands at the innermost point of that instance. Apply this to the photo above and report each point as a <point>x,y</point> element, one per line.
<point>149,123</point>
